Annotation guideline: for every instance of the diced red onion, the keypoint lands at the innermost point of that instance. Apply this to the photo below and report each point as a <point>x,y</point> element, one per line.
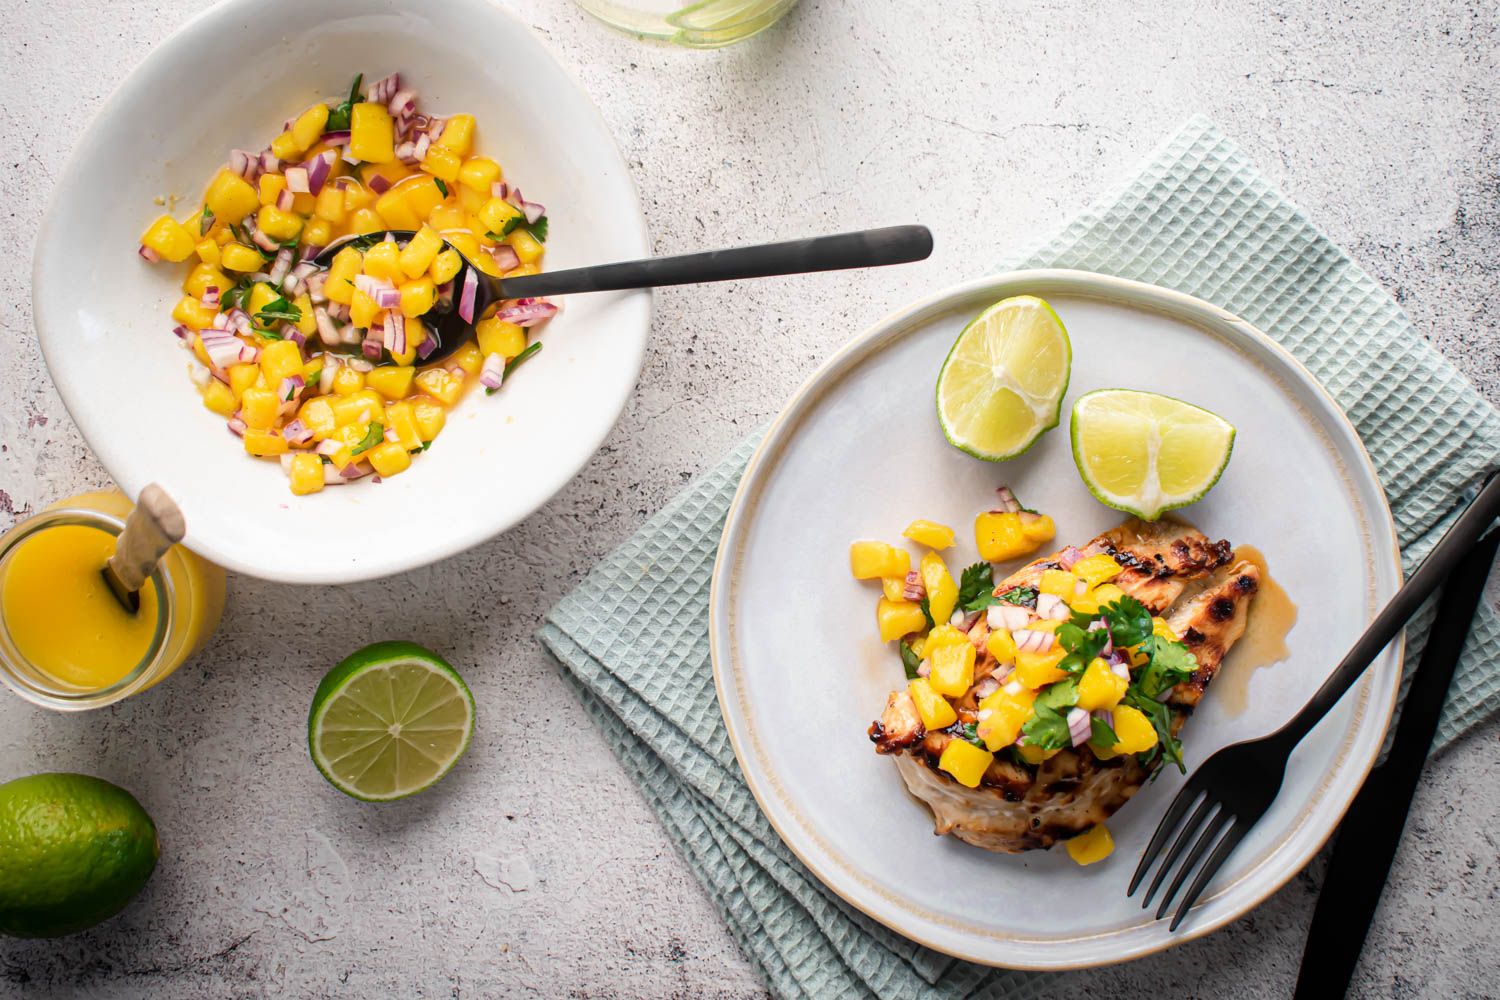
<point>1008,502</point>
<point>527,312</point>
<point>1003,671</point>
<point>238,319</point>
<point>382,90</point>
<point>924,668</point>
<point>423,144</point>
<point>297,180</point>
<point>296,336</point>
<point>236,426</point>
<point>406,152</point>
<point>314,284</point>
<point>297,432</point>
<point>183,333</point>
<point>210,299</point>
<point>913,589</point>
<point>1119,668</point>
<point>201,376</point>
<point>402,102</point>
<point>151,256</point>
<point>269,164</point>
<point>243,163</point>
<point>325,377</point>
<point>500,189</point>
<point>493,372</point>
<point>534,211</point>
<point>338,311</point>
<point>1007,616</point>
<point>330,447</point>
<point>318,169</point>
<point>1051,607</point>
<point>355,470</point>
<point>1033,640</point>
<point>281,266</point>
<point>249,353</point>
<point>379,184</point>
<point>223,348</point>
<point>388,298</point>
<point>290,386</point>
<point>285,199</point>
<point>311,251</point>
<point>505,256</point>
<point>427,346</point>
<point>1069,557</point>
<point>986,687</point>
<point>373,345</point>
<point>1079,726</point>
<point>359,364</point>
<point>328,331</point>
<point>466,298</point>
<point>963,621</point>
<point>266,243</point>
<point>373,286</point>
<point>338,137</point>
<point>395,333</point>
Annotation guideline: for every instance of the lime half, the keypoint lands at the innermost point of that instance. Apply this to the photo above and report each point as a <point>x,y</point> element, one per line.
<point>389,721</point>
<point>1003,382</point>
<point>1146,454</point>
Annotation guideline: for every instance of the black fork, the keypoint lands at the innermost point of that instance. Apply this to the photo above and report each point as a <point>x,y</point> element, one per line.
<point>1233,789</point>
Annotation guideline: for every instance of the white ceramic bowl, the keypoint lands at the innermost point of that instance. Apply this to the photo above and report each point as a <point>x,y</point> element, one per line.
<point>228,78</point>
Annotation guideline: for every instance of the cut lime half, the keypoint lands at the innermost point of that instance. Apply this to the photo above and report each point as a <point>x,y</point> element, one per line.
<point>389,721</point>
<point>1147,454</point>
<point>1002,384</point>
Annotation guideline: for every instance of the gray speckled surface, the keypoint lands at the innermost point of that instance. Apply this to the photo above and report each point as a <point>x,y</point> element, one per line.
<point>535,869</point>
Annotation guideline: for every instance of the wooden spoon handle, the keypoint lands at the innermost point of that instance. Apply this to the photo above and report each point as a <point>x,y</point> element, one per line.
<point>153,527</point>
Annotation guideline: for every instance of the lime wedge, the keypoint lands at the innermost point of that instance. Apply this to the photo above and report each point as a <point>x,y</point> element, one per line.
<point>389,721</point>
<point>717,15</point>
<point>1146,454</point>
<point>1002,383</point>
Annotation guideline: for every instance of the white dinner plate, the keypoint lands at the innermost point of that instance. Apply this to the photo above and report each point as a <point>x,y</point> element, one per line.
<point>227,79</point>
<point>858,453</point>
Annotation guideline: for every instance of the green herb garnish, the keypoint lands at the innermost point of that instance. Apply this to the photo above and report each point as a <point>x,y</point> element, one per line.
<point>276,310</point>
<point>1048,726</point>
<point>538,229</point>
<point>910,661</point>
<point>340,114</point>
<point>927,612</point>
<point>975,584</point>
<point>515,363</point>
<point>1128,620</point>
<point>234,298</point>
<point>1170,664</point>
<point>968,732</point>
<point>205,221</point>
<point>1103,734</point>
<point>1161,720</point>
<point>1021,597</point>
<point>1081,644</point>
<point>373,436</point>
<point>441,186</point>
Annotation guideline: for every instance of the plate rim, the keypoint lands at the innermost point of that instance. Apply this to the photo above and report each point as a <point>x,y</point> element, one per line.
<point>131,481</point>
<point>1084,284</point>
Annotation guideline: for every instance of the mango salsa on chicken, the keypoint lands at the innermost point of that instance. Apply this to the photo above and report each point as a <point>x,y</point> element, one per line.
<point>1036,706</point>
<point>323,370</point>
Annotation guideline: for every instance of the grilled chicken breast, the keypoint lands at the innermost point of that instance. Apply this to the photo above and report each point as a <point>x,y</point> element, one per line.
<point>1178,573</point>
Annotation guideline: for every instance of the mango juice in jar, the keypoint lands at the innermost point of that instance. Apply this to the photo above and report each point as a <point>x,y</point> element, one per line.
<point>65,642</point>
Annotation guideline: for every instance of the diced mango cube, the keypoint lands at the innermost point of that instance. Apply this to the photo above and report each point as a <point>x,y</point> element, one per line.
<point>219,397</point>
<point>347,381</point>
<point>1160,627</point>
<point>1037,528</point>
<point>998,536</point>
<point>930,534</point>
<point>330,205</point>
<point>169,238</point>
<point>894,589</point>
<point>265,443</point>
<point>208,251</point>
<point>383,260</point>
<point>430,418</point>
<point>400,419</point>
<point>417,255</point>
<point>394,210</point>
<point>935,711</point>
<point>898,618</point>
<point>418,296</point>
<point>238,257</point>
<point>479,173</point>
<point>458,134</point>
<point>203,277</point>
<point>189,312</point>
<point>942,592</point>
<point>441,384</point>
<point>1059,583</point>
<point>230,197</point>
<point>1100,687</point>
<point>308,128</point>
<point>317,414</point>
<point>966,762</point>
<point>280,226</point>
<point>1036,670</point>
<point>442,163</point>
<point>259,408</point>
<point>1094,844</point>
<point>363,221</point>
<point>391,381</point>
<point>270,186</point>
<point>1096,569</point>
<point>242,377</point>
<point>873,560</point>
<point>526,246</point>
<point>445,266</point>
<point>388,458</point>
<point>1133,731</point>
<point>952,671</point>
<point>495,213</point>
<point>1035,755</point>
<point>280,359</point>
<point>339,285</point>
<point>1007,713</point>
<point>306,473</point>
<point>469,358</point>
<point>1002,646</point>
<point>372,135</point>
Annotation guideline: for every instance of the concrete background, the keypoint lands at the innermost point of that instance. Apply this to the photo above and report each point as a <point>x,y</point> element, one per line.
<point>535,869</point>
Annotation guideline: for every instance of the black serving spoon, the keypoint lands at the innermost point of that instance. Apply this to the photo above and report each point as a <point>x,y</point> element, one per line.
<point>867,248</point>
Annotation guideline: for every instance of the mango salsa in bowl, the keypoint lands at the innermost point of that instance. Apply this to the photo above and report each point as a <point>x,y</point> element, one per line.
<point>320,369</point>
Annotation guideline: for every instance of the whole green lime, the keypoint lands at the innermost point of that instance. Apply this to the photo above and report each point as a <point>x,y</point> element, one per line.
<point>73,851</point>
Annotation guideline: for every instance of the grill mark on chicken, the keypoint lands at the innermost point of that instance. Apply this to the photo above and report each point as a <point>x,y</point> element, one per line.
<point>1017,807</point>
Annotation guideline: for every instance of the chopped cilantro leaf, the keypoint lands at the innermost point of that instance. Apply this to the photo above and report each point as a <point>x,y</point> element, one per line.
<point>974,586</point>
<point>927,612</point>
<point>339,115</point>
<point>373,436</point>
<point>441,186</point>
<point>1021,597</point>
<point>205,221</point>
<point>1161,720</point>
<point>506,229</point>
<point>515,363</point>
<point>1128,620</point>
<point>969,732</point>
<point>1170,663</point>
<point>539,229</point>
<point>234,298</point>
<point>1103,734</point>
<point>278,309</point>
<point>1081,644</point>
<point>910,661</point>
<point>1048,726</point>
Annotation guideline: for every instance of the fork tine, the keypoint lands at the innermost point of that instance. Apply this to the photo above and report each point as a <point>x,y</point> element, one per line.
<point>1188,829</point>
<point>1180,804</point>
<point>1210,869</point>
<point>1211,833</point>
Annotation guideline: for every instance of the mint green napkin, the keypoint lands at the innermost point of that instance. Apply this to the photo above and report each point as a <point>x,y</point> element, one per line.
<point>633,638</point>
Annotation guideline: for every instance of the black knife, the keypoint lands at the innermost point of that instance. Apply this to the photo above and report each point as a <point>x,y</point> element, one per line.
<point>1371,830</point>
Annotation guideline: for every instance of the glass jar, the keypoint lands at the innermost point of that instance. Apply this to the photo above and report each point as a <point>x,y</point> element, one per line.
<point>708,24</point>
<point>64,643</point>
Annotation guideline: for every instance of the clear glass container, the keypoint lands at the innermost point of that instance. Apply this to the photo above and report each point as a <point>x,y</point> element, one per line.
<point>186,601</point>
<point>708,24</point>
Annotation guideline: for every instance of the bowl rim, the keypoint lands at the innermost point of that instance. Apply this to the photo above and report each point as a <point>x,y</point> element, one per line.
<point>631,221</point>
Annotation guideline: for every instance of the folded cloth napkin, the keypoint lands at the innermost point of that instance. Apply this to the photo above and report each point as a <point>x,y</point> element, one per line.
<point>633,638</point>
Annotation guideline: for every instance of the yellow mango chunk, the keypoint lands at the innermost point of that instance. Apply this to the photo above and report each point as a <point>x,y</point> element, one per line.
<point>441,384</point>
<point>933,708</point>
<point>898,618</point>
<point>306,473</point>
<point>998,537</point>
<point>264,443</point>
<point>1035,755</point>
<point>169,238</point>
<point>942,592</point>
<point>479,173</point>
<point>388,458</point>
<point>430,418</point>
<point>1094,844</point>
<point>280,359</point>
<point>372,134</point>
<point>308,128</point>
<point>238,257</point>
<point>1133,731</point>
<point>952,669</point>
<point>1007,713</point>
<point>1100,687</point>
<point>391,381</point>
<point>1096,569</point>
<point>458,134</point>
<point>1160,627</point>
<point>1059,583</point>
<point>339,286</point>
<point>230,197</point>
<point>442,163</point>
<point>259,408</point>
<point>930,534</point>
<point>943,635</point>
<point>966,762</point>
<point>418,254</point>
<point>873,560</point>
<point>219,397</point>
<point>1036,670</point>
<point>1002,646</point>
<point>1090,601</point>
<point>445,266</point>
<point>507,340</point>
<point>893,589</point>
<point>1037,528</point>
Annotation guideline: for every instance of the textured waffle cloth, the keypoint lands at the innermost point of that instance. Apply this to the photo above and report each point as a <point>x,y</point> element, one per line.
<point>1196,217</point>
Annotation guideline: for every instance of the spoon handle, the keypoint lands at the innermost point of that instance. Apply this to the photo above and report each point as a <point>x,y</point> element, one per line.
<point>868,248</point>
<point>153,527</point>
